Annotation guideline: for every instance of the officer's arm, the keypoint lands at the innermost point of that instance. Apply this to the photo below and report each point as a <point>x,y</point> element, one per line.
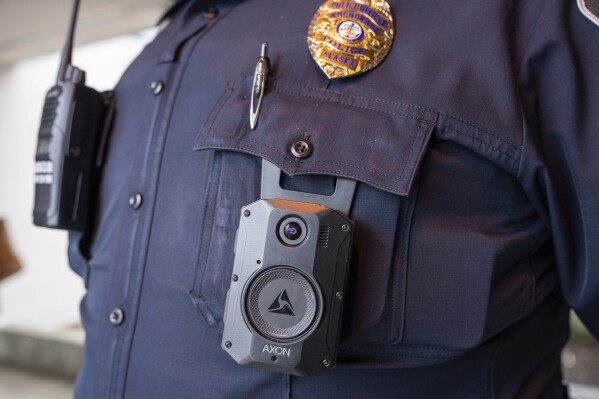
<point>559,84</point>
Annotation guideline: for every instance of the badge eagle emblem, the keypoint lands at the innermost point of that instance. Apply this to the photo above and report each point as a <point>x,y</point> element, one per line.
<point>347,38</point>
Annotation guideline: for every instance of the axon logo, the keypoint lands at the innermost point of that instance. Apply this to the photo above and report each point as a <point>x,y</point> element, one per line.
<point>282,304</point>
<point>277,350</point>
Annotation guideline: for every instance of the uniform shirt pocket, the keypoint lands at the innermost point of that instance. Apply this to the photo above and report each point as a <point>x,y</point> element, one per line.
<point>376,142</point>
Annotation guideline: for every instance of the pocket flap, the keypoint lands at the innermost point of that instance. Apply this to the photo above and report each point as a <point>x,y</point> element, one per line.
<point>378,142</point>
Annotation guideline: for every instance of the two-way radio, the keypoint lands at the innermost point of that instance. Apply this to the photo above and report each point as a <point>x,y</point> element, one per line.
<point>66,160</point>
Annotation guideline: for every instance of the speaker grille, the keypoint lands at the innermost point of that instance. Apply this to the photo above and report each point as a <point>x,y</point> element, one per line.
<point>281,304</point>
<point>324,232</point>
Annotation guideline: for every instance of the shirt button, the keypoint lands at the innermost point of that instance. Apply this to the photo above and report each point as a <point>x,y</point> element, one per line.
<point>211,13</point>
<point>301,148</point>
<point>116,317</point>
<point>156,87</point>
<point>135,200</point>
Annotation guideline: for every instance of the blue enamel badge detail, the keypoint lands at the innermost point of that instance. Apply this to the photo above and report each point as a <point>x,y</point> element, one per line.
<point>350,31</point>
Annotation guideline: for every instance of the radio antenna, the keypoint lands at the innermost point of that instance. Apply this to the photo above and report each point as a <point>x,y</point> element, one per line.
<point>65,60</point>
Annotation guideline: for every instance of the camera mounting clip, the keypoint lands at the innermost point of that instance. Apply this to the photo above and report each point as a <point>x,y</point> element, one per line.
<point>340,200</point>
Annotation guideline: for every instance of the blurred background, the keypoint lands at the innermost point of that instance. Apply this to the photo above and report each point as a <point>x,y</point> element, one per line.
<point>40,334</point>
<point>41,337</point>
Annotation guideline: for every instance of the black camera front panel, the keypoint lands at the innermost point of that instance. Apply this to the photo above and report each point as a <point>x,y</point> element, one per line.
<point>285,302</point>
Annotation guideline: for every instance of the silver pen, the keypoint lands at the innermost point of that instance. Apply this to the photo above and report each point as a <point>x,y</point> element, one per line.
<point>260,75</point>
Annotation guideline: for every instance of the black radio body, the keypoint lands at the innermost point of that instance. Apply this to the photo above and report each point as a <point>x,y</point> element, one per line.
<point>67,158</point>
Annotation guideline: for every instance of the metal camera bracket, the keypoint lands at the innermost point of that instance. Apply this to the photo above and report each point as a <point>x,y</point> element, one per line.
<point>340,200</point>
<point>285,302</point>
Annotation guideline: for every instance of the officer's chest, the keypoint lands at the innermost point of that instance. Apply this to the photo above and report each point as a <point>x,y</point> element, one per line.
<point>431,135</point>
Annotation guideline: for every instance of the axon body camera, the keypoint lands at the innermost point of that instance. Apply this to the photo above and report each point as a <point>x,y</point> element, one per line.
<point>285,302</point>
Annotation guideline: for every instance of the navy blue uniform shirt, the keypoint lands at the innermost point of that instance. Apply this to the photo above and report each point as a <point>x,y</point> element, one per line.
<point>475,145</point>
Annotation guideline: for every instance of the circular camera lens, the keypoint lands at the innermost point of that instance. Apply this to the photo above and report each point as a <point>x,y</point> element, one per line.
<point>293,231</point>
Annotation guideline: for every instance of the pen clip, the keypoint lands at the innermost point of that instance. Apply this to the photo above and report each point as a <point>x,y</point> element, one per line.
<point>259,85</point>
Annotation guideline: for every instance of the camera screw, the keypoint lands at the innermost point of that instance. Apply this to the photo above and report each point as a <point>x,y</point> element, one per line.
<point>246,213</point>
<point>235,277</point>
<point>345,227</point>
<point>326,362</point>
<point>339,295</point>
<point>228,344</point>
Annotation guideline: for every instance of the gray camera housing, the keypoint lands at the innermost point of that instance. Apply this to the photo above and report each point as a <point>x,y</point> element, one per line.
<point>285,302</point>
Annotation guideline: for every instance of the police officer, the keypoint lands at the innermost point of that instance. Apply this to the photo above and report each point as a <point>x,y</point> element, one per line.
<point>474,145</point>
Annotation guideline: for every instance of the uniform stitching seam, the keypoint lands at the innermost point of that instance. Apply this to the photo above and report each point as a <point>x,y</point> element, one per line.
<point>278,88</point>
<point>200,249</point>
<point>329,171</point>
<point>208,230</point>
<point>481,142</point>
<point>294,93</point>
<point>348,104</point>
<point>241,146</point>
<point>409,156</point>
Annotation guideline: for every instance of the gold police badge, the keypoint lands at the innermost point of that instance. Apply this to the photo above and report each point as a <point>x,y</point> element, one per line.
<point>347,38</point>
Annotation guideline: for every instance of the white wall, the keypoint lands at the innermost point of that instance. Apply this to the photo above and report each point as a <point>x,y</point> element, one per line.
<point>45,295</point>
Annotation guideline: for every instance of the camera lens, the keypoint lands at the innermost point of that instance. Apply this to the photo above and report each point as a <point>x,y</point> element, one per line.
<point>293,231</point>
